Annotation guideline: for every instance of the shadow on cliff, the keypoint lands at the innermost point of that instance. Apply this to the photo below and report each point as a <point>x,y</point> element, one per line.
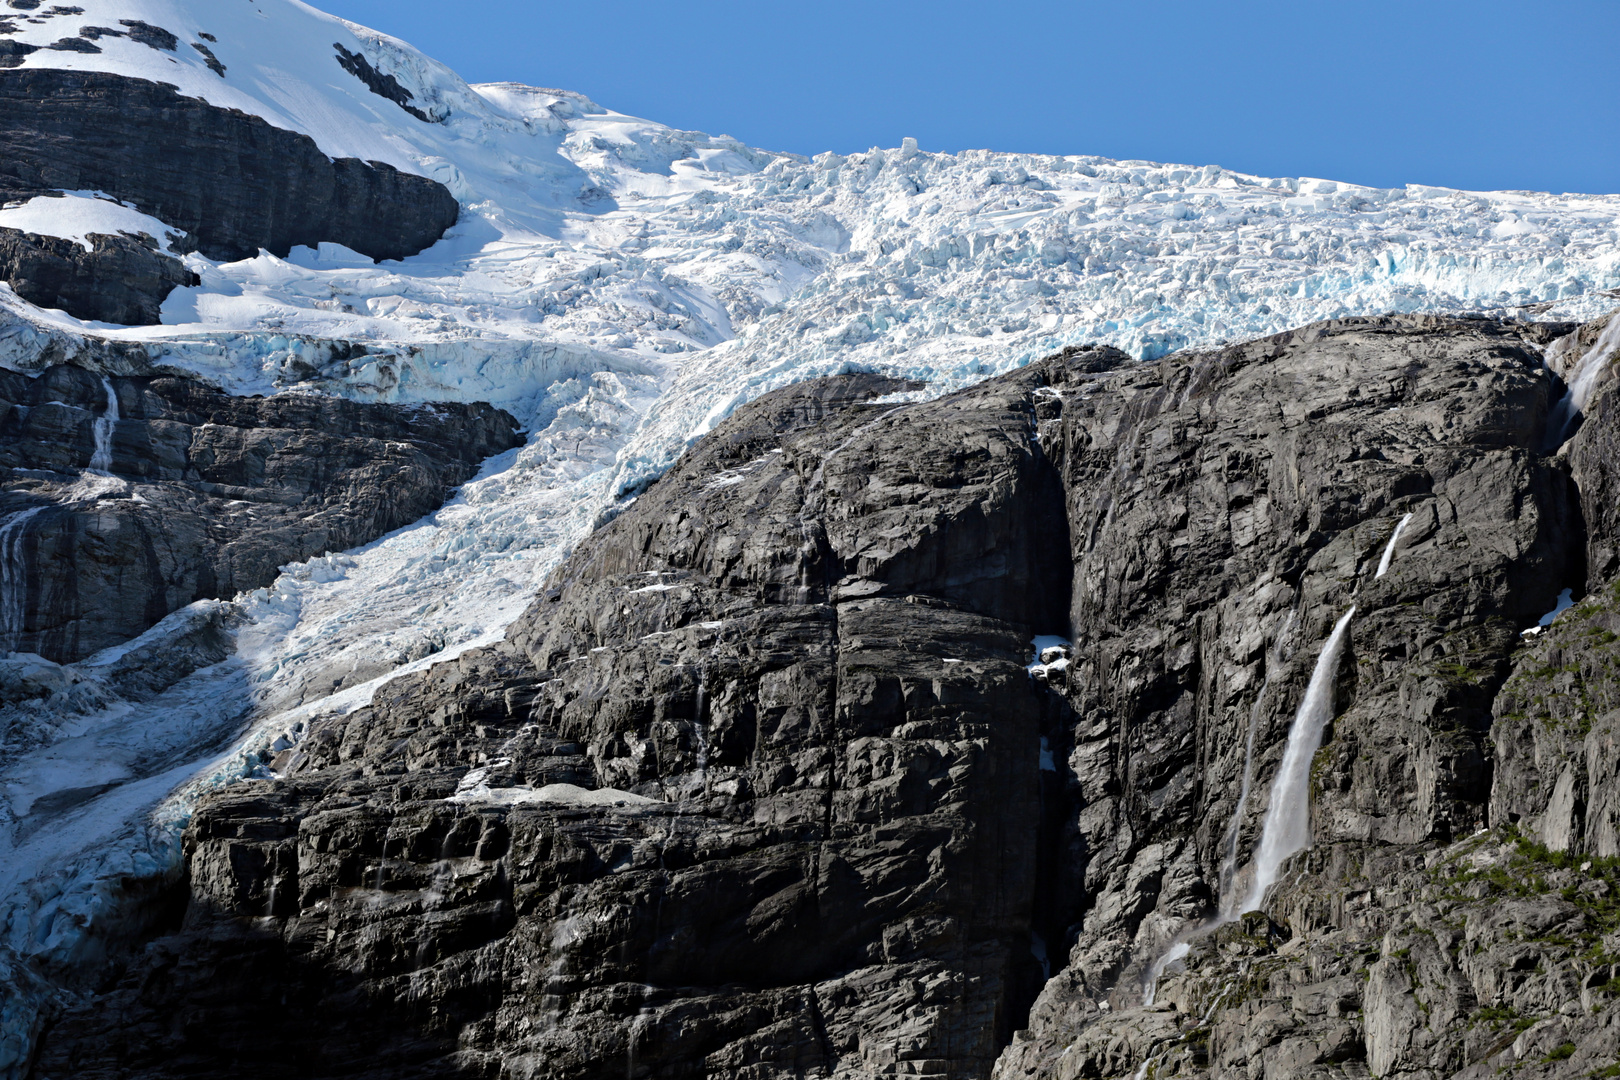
<point>228,996</point>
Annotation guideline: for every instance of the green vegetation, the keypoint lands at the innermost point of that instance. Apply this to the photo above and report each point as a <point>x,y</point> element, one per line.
<point>1319,768</point>
<point>1501,1016</point>
<point>1560,1052</point>
<point>1455,673</point>
<point>1523,874</point>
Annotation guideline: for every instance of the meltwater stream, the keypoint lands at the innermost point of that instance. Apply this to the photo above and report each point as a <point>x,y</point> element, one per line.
<point>1389,549</point>
<point>101,458</point>
<point>14,577</point>
<point>94,482</point>
<point>1287,828</point>
<point>1581,379</point>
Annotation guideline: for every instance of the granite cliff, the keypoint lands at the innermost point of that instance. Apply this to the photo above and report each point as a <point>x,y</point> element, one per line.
<point>887,737</point>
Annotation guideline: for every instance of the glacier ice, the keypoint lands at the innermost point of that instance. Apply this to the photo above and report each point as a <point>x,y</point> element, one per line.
<point>621,286</point>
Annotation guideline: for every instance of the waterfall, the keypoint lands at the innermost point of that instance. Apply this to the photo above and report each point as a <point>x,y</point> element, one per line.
<point>702,734</point>
<point>1176,952</point>
<point>1287,827</point>
<point>1234,827</point>
<point>1581,378</point>
<point>1182,943</point>
<point>101,459</point>
<point>1389,552</point>
<point>14,579</point>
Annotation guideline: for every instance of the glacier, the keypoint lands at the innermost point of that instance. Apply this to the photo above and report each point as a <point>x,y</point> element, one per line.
<point>621,286</point>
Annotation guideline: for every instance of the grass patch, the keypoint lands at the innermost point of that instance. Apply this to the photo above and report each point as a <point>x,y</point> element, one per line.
<point>1523,875</point>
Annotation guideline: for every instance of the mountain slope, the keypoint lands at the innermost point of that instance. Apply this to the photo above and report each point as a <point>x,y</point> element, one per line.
<point>621,288</point>
<point>765,783</point>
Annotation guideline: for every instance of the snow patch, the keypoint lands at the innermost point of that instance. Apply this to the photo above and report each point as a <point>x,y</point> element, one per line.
<point>77,215</point>
<point>479,793</point>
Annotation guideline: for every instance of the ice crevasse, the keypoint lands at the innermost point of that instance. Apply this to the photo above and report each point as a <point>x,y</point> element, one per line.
<point>622,286</point>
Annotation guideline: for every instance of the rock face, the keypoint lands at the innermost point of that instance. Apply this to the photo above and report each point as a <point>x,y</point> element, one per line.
<point>109,520</point>
<point>759,785</point>
<point>230,182</point>
<point>807,652</point>
<point>1395,945</point>
<point>121,279</point>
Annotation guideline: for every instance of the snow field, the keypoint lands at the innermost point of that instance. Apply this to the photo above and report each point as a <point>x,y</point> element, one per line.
<point>621,287</point>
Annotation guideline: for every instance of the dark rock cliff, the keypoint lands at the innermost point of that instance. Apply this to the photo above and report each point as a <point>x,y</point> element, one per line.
<point>229,182</point>
<point>120,279</point>
<point>198,495</point>
<point>759,785</point>
<point>1228,510</point>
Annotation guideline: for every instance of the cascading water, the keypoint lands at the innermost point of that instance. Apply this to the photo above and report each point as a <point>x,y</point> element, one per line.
<point>1234,827</point>
<point>1175,952</point>
<point>1389,550</point>
<point>1287,827</point>
<point>101,458</point>
<point>1181,945</point>
<point>702,733</point>
<point>1581,379</point>
<point>14,578</point>
<point>97,480</point>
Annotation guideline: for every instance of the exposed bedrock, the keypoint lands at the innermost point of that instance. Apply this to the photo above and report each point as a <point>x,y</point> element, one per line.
<point>118,279</point>
<point>229,181</point>
<point>759,785</point>
<point>111,520</point>
<point>1407,941</point>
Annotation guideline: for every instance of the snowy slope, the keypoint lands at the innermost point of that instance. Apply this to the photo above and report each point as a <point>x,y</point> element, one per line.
<point>620,286</point>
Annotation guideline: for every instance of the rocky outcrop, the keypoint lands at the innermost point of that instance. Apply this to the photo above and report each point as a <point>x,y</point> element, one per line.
<point>1228,509</point>
<point>1557,727</point>
<point>760,786</point>
<point>757,785</point>
<point>120,279</point>
<point>1410,940</point>
<point>230,182</point>
<point>110,519</point>
<point>379,83</point>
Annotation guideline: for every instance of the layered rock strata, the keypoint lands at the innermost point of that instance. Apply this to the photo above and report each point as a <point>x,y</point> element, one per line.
<point>229,183</point>
<point>118,279</point>
<point>124,498</point>
<point>759,785</point>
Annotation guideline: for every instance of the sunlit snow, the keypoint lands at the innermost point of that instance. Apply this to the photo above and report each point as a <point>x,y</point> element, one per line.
<point>621,287</point>
<point>78,215</point>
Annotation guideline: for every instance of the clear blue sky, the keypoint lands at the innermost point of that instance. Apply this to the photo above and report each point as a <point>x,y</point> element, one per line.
<point>1482,94</point>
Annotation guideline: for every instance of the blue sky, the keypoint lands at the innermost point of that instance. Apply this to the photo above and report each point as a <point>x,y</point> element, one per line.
<point>1484,95</point>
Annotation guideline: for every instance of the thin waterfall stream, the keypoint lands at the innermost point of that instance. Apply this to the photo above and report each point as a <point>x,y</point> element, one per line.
<point>1287,826</point>
<point>14,578</point>
<point>1389,550</point>
<point>1582,378</point>
<point>1234,827</point>
<point>1286,829</point>
<point>106,423</point>
<point>94,482</point>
